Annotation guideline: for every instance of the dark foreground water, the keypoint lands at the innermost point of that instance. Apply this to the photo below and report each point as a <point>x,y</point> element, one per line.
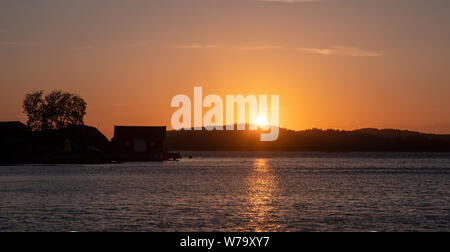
<point>233,192</point>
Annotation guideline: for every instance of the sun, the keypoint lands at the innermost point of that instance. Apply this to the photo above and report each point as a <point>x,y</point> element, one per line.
<point>261,121</point>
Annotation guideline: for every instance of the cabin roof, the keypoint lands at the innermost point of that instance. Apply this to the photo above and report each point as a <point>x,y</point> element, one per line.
<point>139,132</point>
<point>13,126</point>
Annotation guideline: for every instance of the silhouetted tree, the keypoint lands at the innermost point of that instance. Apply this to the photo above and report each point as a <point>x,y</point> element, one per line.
<point>54,111</point>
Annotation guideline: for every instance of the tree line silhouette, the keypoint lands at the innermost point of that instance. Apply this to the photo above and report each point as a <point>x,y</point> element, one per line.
<point>363,140</point>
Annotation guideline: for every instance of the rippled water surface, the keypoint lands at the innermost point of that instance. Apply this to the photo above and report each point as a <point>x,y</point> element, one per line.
<point>234,191</point>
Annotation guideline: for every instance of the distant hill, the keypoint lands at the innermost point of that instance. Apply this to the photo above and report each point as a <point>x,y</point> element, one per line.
<point>362,140</point>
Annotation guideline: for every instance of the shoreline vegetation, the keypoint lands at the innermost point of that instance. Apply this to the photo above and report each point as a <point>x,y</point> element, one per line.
<point>87,145</point>
<point>312,140</point>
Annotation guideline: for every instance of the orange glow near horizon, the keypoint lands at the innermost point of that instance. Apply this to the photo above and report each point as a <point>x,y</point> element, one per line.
<point>335,73</point>
<point>261,121</point>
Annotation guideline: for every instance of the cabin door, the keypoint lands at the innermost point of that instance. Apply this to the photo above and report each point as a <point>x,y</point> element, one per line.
<point>140,146</point>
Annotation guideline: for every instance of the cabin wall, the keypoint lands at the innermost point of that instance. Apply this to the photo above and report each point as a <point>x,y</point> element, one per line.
<point>136,145</point>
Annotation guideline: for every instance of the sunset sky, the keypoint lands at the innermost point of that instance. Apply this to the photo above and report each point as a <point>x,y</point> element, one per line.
<point>341,64</point>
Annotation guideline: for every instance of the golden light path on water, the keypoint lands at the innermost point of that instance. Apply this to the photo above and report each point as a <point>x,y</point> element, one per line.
<point>262,185</point>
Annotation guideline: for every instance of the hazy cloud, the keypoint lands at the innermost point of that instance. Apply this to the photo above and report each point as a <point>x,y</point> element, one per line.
<point>341,51</point>
<point>239,48</point>
<point>258,48</point>
<point>196,46</point>
<point>335,50</point>
<point>135,45</point>
<point>17,44</point>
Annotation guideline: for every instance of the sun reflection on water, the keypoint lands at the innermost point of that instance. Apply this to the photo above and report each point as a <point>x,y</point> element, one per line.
<point>261,188</point>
